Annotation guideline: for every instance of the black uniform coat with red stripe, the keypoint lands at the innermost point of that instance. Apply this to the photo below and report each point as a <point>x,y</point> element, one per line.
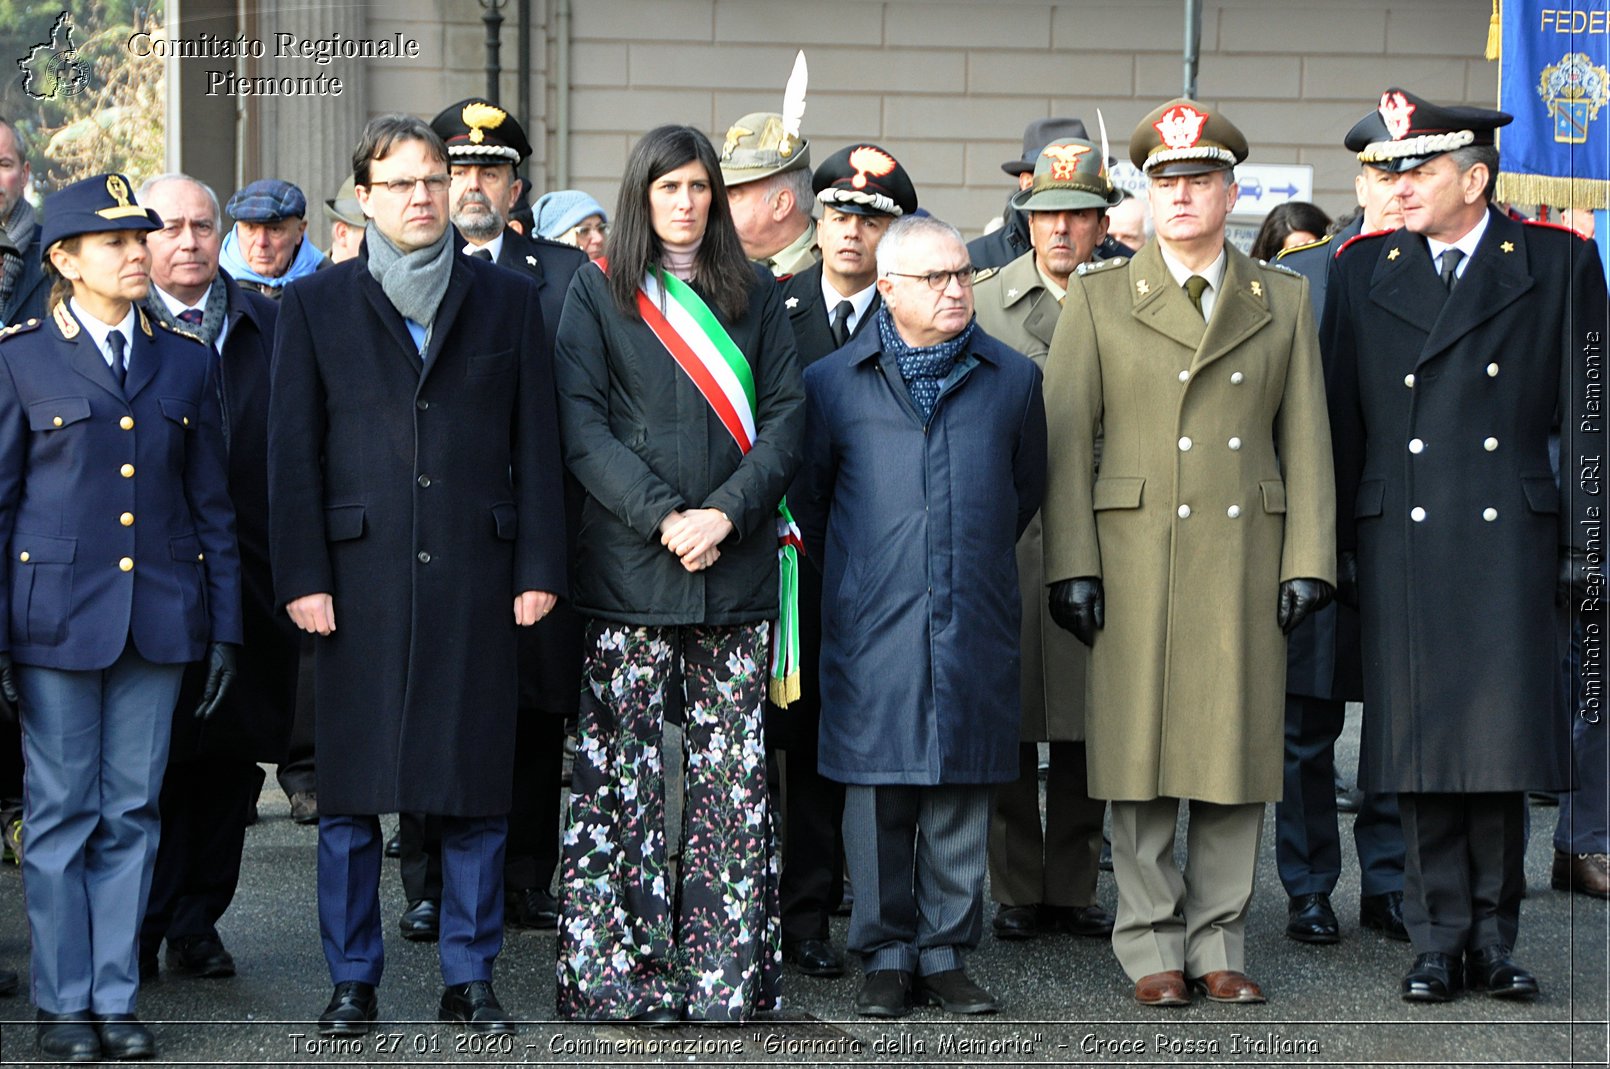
<point>1444,403</point>
<point>423,497</point>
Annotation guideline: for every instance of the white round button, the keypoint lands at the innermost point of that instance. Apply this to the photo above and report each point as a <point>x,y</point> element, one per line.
<point>1416,446</point>
<point>1489,515</point>
<point>1408,380</point>
<point>1233,511</point>
<point>1235,443</point>
<point>1417,514</point>
<point>1185,512</point>
<point>1492,371</point>
<point>1185,376</point>
<point>1185,445</point>
<point>1236,378</point>
<point>1490,444</point>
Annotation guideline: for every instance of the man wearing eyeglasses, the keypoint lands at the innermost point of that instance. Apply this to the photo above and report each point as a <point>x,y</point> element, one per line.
<point>417,520</point>
<point>1205,538</point>
<point>925,460</point>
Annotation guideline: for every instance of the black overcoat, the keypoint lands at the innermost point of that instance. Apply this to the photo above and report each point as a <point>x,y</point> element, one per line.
<point>1442,407</point>
<point>423,497</point>
<point>255,719</point>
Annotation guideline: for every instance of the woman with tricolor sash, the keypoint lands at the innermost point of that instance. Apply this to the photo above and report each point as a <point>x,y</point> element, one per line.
<point>682,413</point>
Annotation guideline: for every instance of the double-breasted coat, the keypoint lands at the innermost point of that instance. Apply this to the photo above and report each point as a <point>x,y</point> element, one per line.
<point>1016,308</point>
<point>915,526</point>
<point>114,506</point>
<point>1442,405</point>
<point>423,495</point>
<point>1215,486</point>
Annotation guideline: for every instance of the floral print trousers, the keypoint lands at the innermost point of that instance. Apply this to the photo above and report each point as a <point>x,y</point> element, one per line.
<point>626,945</point>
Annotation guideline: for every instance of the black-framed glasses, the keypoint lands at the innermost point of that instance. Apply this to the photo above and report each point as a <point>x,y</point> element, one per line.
<point>402,187</point>
<point>939,281</point>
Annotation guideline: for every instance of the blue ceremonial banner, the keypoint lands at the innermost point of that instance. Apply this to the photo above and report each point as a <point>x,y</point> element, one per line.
<point>1554,77</point>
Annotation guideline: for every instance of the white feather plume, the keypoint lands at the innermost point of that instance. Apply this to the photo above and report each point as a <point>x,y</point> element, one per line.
<point>794,98</point>
<point>1105,156</point>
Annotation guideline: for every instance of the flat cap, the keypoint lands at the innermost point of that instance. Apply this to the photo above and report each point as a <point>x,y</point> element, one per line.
<point>1185,137</point>
<point>479,133</point>
<point>864,180</point>
<point>1405,131</point>
<point>266,200</point>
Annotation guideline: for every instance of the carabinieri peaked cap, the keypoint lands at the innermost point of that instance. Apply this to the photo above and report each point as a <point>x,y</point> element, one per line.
<point>864,180</point>
<point>1405,131</point>
<point>90,206</point>
<point>480,133</point>
<point>1186,137</point>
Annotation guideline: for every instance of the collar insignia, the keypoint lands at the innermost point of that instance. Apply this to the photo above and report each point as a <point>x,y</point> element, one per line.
<point>64,321</point>
<point>792,302</point>
<point>532,260</point>
<point>1393,255</point>
<point>1508,246</point>
<point>145,324</point>
<point>1181,126</point>
<point>1142,287</point>
<point>1257,288</point>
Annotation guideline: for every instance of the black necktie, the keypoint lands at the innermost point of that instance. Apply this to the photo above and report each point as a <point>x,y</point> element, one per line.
<point>841,322</point>
<point>1195,286</point>
<point>481,254</point>
<point>115,342</point>
<point>1450,266</point>
<point>191,317</point>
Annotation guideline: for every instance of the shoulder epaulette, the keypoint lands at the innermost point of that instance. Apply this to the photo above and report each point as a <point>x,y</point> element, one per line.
<point>1362,237</point>
<point>1552,226</point>
<point>19,328</point>
<point>985,275</point>
<point>1281,268</point>
<point>1092,266</point>
<point>183,333</point>
<point>1283,253</point>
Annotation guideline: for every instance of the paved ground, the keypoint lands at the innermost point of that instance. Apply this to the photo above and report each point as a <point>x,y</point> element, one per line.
<point>1066,1001</point>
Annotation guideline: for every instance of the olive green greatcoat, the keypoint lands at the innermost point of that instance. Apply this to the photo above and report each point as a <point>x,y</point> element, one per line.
<point>1015,308</point>
<point>1215,486</point>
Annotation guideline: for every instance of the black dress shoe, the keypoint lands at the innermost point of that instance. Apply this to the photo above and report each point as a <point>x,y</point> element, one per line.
<point>1310,919</point>
<point>1384,913</point>
<point>352,1009</point>
<point>474,1005</point>
<point>200,955</point>
<point>1491,970</point>
<point>1089,920</point>
<point>67,1037</point>
<point>954,992</point>
<point>1433,978</point>
<point>124,1038</point>
<point>394,846</point>
<point>1016,922</point>
<point>422,922</point>
<point>814,957</point>
<point>885,993</point>
<point>530,907</point>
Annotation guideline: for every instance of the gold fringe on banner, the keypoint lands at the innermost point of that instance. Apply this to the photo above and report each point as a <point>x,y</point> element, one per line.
<point>1495,34</point>
<point>1559,192</point>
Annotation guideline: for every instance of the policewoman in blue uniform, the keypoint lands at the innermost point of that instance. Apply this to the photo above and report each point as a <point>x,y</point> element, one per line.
<point>121,568</point>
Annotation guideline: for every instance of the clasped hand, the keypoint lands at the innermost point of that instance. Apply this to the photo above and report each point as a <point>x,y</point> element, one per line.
<point>694,535</point>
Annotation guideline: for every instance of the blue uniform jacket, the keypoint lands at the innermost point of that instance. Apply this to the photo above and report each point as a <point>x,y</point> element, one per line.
<point>114,511</point>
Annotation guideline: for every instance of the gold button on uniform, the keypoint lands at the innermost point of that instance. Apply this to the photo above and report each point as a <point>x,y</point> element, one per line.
<point>127,471</point>
<point>127,423</point>
<point>201,556</point>
<point>1489,515</point>
<point>127,519</point>
<point>186,420</point>
<point>126,564</point>
<point>56,422</point>
<point>1490,444</point>
<point>23,556</point>
<point>1408,380</point>
<point>1416,445</point>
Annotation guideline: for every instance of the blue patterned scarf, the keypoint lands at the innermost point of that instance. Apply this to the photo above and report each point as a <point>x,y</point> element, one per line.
<point>924,368</point>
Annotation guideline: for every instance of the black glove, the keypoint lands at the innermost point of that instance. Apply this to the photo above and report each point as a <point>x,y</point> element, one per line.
<point>1347,578</point>
<point>1299,598</point>
<point>1077,605</point>
<point>10,700</point>
<point>222,660</point>
<point>1574,575</point>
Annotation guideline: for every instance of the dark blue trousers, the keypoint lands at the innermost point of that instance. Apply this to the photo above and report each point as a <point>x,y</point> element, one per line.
<point>1308,850</point>
<point>350,853</point>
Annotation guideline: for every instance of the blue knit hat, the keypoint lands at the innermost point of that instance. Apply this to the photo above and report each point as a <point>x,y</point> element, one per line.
<point>559,212</point>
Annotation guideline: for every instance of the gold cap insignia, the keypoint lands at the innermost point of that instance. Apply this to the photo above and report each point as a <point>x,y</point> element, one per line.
<point>1064,160</point>
<point>480,118</point>
<point>735,134</point>
<point>118,190</point>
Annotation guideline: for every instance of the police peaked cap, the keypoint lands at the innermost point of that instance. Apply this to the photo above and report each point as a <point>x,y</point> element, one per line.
<point>90,206</point>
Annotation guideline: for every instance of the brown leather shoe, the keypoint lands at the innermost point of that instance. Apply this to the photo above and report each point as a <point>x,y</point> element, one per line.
<point>1163,989</point>
<point>1587,874</point>
<point>1227,985</point>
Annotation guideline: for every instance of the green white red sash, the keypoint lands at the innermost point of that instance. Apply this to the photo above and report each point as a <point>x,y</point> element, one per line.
<point>706,353</point>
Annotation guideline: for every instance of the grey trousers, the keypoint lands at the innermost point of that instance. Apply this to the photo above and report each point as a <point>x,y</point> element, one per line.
<point>917,857</point>
<point>1195,921</point>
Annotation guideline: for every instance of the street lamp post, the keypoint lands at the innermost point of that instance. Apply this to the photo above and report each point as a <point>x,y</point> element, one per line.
<point>493,18</point>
